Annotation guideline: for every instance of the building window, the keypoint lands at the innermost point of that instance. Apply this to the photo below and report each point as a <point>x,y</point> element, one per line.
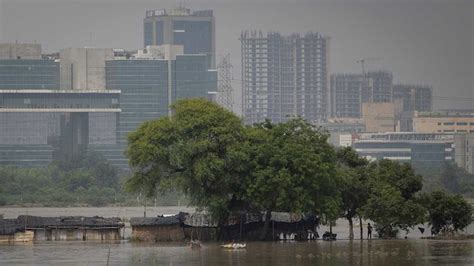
<point>461,123</point>
<point>26,101</point>
<point>448,123</point>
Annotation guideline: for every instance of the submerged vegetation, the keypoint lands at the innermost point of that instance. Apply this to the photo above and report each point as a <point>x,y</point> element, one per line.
<point>205,152</point>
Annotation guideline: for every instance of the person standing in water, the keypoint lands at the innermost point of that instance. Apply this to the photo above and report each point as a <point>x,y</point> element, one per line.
<point>369,231</point>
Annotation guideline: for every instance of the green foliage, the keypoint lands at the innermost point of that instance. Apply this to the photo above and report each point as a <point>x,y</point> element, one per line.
<point>391,201</point>
<point>354,188</point>
<point>86,180</point>
<point>195,151</point>
<point>389,210</point>
<point>447,212</point>
<point>448,177</point>
<point>290,165</point>
<point>290,168</point>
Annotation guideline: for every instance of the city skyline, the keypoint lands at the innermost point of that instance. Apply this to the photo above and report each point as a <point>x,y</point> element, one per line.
<point>420,42</point>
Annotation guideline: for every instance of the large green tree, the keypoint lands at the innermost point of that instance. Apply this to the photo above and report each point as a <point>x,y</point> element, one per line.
<point>391,203</point>
<point>291,168</point>
<point>196,150</point>
<point>447,213</point>
<point>354,189</point>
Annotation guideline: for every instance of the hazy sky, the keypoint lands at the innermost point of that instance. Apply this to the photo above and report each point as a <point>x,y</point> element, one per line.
<point>420,41</point>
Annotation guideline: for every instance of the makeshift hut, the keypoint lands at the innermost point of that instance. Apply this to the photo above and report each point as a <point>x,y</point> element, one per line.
<point>12,231</point>
<point>156,229</point>
<point>292,226</point>
<point>73,227</point>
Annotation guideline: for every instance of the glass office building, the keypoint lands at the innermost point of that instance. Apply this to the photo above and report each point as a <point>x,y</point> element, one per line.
<point>38,126</point>
<point>29,74</point>
<point>195,30</point>
<point>145,89</point>
<point>417,148</point>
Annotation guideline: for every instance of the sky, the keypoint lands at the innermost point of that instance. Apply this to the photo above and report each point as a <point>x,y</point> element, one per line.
<point>420,41</point>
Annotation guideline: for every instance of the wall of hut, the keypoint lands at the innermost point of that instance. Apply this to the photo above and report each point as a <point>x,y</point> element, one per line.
<point>158,233</point>
<point>102,234</point>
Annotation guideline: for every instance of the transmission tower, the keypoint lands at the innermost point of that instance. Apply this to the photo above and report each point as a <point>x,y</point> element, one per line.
<point>224,86</point>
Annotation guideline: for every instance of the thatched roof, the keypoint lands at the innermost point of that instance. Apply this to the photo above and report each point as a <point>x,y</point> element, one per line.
<point>150,221</point>
<point>69,222</point>
<point>203,219</point>
<point>10,226</point>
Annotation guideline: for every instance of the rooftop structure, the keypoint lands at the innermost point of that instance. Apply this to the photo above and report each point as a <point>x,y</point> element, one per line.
<point>83,68</point>
<point>195,30</point>
<point>20,51</point>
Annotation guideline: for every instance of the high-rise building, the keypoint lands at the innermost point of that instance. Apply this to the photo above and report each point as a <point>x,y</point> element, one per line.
<point>42,120</point>
<point>22,67</point>
<point>464,151</point>
<point>284,76</point>
<point>150,81</point>
<point>382,85</point>
<point>414,97</point>
<point>38,121</point>
<point>195,30</point>
<point>348,93</point>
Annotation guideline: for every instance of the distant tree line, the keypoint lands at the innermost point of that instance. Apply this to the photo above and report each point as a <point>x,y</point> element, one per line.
<point>86,180</point>
<point>222,166</point>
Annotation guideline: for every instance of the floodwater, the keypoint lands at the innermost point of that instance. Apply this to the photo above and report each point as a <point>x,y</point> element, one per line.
<point>411,251</point>
<point>340,252</point>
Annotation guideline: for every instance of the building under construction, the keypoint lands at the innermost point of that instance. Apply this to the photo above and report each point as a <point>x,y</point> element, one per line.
<point>382,85</point>
<point>348,93</point>
<point>414,97</point>
<point>284,76</point>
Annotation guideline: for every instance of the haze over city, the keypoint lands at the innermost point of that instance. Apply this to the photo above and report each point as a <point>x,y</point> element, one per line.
<point>422,42</point>
<point>237,132</point>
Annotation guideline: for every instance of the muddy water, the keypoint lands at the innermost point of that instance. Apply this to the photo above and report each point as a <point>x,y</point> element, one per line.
<point>341,252</point>
<point>411,251</point>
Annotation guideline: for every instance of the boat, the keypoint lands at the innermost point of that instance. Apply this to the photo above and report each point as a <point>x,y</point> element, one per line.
<point>234,245</point>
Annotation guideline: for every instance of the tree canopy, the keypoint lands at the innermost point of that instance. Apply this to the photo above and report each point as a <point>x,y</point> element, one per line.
<point>223,166</point>
<point>447,213</point>
<point>196,151</point>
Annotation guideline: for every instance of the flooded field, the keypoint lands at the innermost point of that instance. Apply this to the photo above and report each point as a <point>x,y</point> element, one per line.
<point>411,251</point>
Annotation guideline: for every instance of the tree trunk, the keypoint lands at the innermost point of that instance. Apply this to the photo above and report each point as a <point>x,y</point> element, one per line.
<point>351,228</point>
<point>361,228</point>
<point>266,225</point>
<point>330,229</point>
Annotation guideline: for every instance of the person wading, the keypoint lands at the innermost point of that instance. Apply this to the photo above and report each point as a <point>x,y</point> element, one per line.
<point>369,231</point>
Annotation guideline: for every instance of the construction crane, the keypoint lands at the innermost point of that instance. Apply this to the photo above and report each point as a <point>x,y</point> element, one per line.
<point>362,61</point>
